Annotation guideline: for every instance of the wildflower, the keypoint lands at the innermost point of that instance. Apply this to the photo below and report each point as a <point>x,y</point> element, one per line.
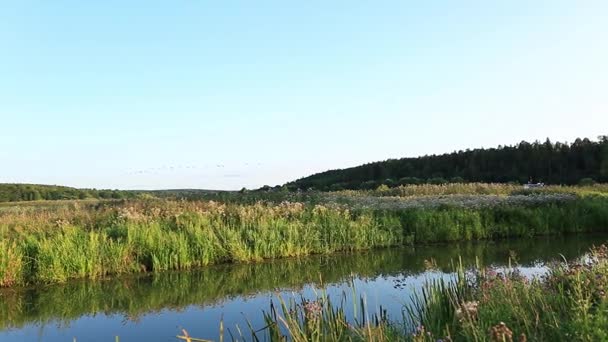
<point>312,309</point>
<point>421,334</point>
<point>62,223</point>
<point>467,311</point>
<point>501,333</point>
<point>430,264</point>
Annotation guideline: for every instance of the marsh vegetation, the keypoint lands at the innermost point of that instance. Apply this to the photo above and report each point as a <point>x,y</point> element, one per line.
<point>87,244</point>
<point>46,244</point>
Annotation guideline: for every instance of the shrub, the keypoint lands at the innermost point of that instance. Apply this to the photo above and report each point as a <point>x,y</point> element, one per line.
<point>586,182</point>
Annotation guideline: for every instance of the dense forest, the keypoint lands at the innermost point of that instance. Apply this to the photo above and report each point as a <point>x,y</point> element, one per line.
<point>583,161</point>
<point>35,192</point>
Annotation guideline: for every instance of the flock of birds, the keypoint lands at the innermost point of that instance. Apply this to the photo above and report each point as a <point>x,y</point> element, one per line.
<point>164,168</point>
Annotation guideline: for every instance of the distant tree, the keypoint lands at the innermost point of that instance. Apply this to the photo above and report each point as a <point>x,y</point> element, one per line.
<point>36,195</point>
<point>390,183</point>
<point>551,162</point>
<point>369,185</point>
<point>437,180</point>
<point>586,182</point>
<point>604,158</point>
<point>105,194</point>
<point>36,192</point>
<point>409,181</point>
<point>337,187</point>
<point>145,196</point>
<point>117,194</point>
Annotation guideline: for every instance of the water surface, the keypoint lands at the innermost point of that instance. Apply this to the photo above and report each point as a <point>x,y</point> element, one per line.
<point>156,307</point>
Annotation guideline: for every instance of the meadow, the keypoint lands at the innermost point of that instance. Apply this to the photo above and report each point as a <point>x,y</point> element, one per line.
<point>54,242</point>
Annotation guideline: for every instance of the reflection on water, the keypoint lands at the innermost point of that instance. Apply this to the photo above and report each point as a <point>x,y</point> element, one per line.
<point>154,307</point>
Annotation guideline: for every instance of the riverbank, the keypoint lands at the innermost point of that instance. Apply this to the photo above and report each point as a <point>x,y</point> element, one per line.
<point>54,244</point>
<point>569,303</point>
<point>134,297</point>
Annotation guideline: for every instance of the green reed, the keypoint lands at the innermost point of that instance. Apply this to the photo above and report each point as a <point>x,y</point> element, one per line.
<point>54,244</point>
<point>478,304</point>
<point>133,296</point>
<point>570,303</point>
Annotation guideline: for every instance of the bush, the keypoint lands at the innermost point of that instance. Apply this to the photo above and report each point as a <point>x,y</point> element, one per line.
<point>458,180</point>
<point>586,182</point>
<point>437,180</point>
<point>369,185</point>
<point>410,181</point>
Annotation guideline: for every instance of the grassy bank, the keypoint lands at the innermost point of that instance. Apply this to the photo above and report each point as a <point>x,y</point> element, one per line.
<point>54,244</point>
<point>569,303</point>
<point>135,296</point>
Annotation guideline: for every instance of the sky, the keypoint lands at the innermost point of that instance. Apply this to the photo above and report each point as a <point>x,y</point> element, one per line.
<point>231,94</point>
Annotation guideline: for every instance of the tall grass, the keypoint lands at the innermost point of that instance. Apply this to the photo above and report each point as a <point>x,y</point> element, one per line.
<point>569,304</point>
<point>133,296</point>
<point>503,189</point>
<point>53,246</point>
<point>46,245</point>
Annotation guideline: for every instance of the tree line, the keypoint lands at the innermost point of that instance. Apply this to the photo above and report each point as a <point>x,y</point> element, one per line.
<point>36,192</point>
<point>584,161</point>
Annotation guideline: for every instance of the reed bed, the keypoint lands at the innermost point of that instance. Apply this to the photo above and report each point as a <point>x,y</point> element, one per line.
<point>302,320</point>
<point>134,296</point>
<point>93,240</point>
<point>470,189</point>
<point>569,303</point>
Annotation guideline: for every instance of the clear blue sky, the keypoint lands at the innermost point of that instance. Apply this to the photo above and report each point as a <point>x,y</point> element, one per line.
<point>226,94</point>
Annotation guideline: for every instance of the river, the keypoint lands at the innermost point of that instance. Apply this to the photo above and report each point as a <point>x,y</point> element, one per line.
<point>155,307</point>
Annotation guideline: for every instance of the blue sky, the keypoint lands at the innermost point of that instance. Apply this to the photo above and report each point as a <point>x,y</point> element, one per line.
<point>202,94</point>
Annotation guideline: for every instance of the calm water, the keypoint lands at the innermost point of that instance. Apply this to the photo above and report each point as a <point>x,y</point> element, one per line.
<point>156,307</point>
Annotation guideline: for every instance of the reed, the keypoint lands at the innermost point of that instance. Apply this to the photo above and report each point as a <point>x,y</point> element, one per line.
<point>478,304</point>
<point>503,189</point>
<point>53,244</point>
<point>570,303</point>
<point>134,296</point>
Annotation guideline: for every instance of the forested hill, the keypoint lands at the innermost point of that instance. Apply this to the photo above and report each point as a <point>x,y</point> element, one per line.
<point>35,192</point>
<point>551,163</point>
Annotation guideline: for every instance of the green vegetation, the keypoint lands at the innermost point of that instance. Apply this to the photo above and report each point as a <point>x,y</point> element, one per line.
<point>569,303</point>
<point>134,296</point>
<point>583,161</point>
<point>476,189</point>
<point>46,244</point>
<point>39,192</point>
<point>36,192</point>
